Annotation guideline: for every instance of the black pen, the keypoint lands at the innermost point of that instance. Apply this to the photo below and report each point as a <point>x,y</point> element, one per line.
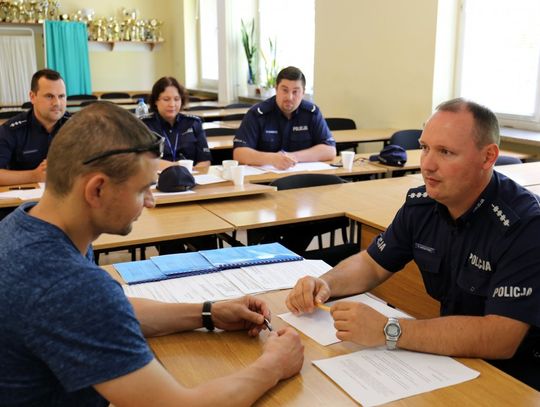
<point>19,188</point>
<point>268,325</point>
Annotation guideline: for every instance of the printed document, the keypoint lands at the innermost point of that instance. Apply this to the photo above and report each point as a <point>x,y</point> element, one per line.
<point>377,376</point>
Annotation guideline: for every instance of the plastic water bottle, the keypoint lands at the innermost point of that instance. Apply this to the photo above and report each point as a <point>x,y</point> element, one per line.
<point>141,109</point>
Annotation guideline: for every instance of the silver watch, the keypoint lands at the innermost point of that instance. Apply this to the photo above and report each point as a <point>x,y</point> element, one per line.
<point>392,332</point>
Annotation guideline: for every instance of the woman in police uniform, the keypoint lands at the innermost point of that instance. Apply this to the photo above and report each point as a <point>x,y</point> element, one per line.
<point>184,135</point>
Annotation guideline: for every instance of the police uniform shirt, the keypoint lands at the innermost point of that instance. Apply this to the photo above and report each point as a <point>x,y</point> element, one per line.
<point>485,262</point>
<point>184,140</point>
<point>24,142</point>
<point>265,128</point>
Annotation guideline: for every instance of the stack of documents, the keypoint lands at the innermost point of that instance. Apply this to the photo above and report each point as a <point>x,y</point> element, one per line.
<point>227,284</point>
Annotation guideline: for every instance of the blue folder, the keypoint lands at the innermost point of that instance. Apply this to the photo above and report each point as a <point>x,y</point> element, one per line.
<point>205,261</point>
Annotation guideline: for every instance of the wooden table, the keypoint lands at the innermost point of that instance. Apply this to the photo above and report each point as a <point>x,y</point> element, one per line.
<point>341,136</point>
<point>358,169</point>
<point>214,114</point>
<point>197,356</point>
<point>413,159</point>
<point>525,174</point>
<point>166,223</point>
<point>534,189</point>
<point>323,202</point>
<point>216,191</point>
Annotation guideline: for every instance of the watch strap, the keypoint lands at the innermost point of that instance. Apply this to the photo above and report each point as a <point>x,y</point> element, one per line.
<point>207,316</point>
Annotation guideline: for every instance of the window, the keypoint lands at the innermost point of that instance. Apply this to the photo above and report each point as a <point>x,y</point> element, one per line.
<point>208,43</point>
<point>499,60</point>
<point>291,25</point>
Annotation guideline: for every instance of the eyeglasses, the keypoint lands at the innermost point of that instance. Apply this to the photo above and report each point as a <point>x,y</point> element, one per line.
<point>156,147</point>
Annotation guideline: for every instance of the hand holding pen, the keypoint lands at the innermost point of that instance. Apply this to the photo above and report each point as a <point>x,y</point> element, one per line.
<point>283,160</point>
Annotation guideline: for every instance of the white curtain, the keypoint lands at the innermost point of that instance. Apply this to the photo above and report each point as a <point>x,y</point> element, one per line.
<point>17,65</point>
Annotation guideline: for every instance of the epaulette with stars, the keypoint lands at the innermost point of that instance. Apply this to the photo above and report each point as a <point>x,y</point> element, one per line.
<point>503,215</point>
<point>17,123</point>
<point>417,196</point>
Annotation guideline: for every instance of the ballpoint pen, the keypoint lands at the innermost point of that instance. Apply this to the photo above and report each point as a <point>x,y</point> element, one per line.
<point>268,325</point>
<point>20,188</point>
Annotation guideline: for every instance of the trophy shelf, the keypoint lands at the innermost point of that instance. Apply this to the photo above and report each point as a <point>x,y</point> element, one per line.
<point>111,44</point>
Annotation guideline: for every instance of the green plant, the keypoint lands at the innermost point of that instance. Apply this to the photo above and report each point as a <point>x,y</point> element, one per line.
<point>271,67</point>
<point>250,49</point>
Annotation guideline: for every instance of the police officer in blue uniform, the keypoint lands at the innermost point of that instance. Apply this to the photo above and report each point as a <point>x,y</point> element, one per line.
<point>184,139</point>
<point>184,135</point>
<point>25,138</point>
<point>284,129</point>
<point>473,234</point>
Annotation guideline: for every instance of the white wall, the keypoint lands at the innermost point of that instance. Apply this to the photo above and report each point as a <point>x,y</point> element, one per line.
<point>374,60</point>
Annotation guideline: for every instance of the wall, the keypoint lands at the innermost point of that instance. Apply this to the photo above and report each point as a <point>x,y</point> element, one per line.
<point>374,60</point>
<point>133,67</point>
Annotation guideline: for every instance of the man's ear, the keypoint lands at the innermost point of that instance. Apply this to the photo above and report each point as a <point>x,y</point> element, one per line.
<point>94,189</point>
<point>491,153</point>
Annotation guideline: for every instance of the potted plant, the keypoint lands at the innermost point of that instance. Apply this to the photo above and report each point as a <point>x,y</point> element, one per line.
<point>271,70</point>
<point>250,49</point>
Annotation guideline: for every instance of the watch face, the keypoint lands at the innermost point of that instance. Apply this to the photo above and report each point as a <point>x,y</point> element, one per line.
<point>392,330</point>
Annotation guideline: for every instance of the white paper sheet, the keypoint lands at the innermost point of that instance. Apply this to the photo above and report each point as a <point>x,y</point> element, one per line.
<point>319,325</point>
<point>157,193</point>
<point>23,194</point>
<point>377,376</point>
<point>205,179</point>
<point>310,166</point>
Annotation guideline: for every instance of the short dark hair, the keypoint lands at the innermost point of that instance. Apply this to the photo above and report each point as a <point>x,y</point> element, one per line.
<point>485,122</point>
<point>99,127</point>
<point>48,74</point>
<point>161,85</point>
<point>291,73</point>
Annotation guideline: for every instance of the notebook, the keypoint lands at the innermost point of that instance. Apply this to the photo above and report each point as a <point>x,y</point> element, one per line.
<point>203,262</point>
<point>234,257</point>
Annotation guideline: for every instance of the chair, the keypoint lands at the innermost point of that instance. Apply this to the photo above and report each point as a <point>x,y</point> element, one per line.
<point>82,97</point>
<point>202,108</point>
<point>220,131</point>
<point>297,237</point>
<point>26,105</point>
<point>231,117</point>
<point>238,105</point>
<point>408,139</point>
<point>143,96</point>
<point>115,95</point>
<point>507,160</point>
<point>340,123</point>
<point>8,114</point>
<point>87,102</point>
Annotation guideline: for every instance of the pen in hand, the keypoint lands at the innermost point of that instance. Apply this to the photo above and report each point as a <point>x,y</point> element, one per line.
<point>323,307</point>
<point>268,325</point>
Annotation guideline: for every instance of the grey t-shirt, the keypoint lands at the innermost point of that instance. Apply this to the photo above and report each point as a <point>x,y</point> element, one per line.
<point>65,323</point>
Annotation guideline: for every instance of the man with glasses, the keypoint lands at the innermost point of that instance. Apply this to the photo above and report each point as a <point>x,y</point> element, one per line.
<point>25,139</point>
<point>69,334</point>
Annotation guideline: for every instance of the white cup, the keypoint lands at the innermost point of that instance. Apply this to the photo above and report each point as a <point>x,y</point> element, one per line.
<point>186,163</point>
<point>347,158</point>
<point>237,174</point>
<point>227,165</point>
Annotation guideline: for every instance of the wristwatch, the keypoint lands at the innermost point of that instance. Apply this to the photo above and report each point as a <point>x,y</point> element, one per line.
<point>207,316</point>
<point>392,332</point>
